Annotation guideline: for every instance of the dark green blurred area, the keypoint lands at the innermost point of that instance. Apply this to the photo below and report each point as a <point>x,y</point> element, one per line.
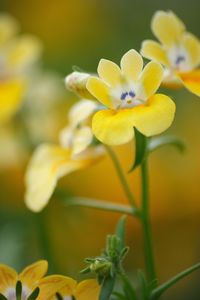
<point>80,32</point>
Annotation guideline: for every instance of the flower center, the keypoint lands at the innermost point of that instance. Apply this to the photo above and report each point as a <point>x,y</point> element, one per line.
<point>179,59</point>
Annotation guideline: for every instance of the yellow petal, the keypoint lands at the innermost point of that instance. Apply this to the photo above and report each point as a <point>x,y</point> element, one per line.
<point>50,285</point>
<point>109,72</point>
<point>191,81</point>
<point>11,95</point>
<point>24,51</point>
<point>154,51</point>
<point>8,27</point>
<point>100,91</point>
<point>69,287</point>
<point>82,139</point>
<point>88,289</point>
<point>151,79</point>
<point>8,278</point>
<point>33,273</point>
<point>156,116</point>
<point>81,111</point>
<point>132,64</point>
<point>113,127</point>
<point>47,165</point>
<point>167,27</point>
<point>192,46</point>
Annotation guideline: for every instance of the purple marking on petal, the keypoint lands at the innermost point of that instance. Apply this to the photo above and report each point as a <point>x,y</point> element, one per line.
<point>179,59</point>
<point>123,96</point>
<point>132,94</point>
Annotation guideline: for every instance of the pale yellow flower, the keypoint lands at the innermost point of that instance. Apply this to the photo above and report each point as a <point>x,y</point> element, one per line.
<point>18,54</point>
<point>51,162</point>
<point>177,49</point>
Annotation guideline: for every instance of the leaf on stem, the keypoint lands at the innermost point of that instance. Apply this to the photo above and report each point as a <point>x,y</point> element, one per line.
<point>157,142</point>
<point>107,288</point>
<point>140,149</point>
<point>156,293</point>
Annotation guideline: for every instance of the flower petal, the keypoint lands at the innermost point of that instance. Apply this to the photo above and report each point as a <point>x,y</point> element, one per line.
<point>33,273</point>
<point>154,51</point>
<point>191,81</point>
<point>11,94</point>
<point>113,127</point>
<point>100,90</point>
<point>192,46</point>
<point>167,27</point>
<point>132,64</point>
<point>82,139</point>
<point>88,289</point>
<point>109,72</point>
<point>69,287</point>
<point>8,278</point>
<point>151,79</point>
<point>23,52</point>
<point>50,285</point>
<point>47,165</point>
<point>156,116</point>
<point>81,111</point>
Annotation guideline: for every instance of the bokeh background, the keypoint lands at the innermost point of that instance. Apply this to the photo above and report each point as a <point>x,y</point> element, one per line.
<point>80,32</point>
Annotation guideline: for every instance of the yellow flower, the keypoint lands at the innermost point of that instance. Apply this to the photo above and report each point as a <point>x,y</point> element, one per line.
<point>129,95</point>
<point>51,162</point>
<point>85,290</point>
<point>30,278</point>
<point>18,54</point>
<point>178,51</point>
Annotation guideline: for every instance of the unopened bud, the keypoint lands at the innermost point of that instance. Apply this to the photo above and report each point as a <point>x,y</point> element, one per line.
<point>101,267</point>
<point>76,82</point>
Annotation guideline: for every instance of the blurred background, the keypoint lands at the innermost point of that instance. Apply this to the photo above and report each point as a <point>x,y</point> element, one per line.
<point>80,32</point>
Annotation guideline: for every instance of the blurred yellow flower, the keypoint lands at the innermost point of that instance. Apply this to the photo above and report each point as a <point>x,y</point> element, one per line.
<point>18,53</point>
<point>128,94</point>
<point>178,51</point>
<point>50,162</point>
<point>85,290</point>
<point>30,278</point>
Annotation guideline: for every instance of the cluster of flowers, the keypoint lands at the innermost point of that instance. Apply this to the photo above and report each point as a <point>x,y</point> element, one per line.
<point>32,284</point>
<point>127,99</point>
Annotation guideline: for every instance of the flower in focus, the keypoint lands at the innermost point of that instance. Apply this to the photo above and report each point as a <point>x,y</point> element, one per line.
<point>85,290</point>
<point>178,51</point>
<point>128,94</point>
<point>18,54</point>
<point>31,282</point>
<point>77,150</point>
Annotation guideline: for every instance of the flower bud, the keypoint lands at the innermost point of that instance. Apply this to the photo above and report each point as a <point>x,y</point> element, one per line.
<point>76,82</point>
<point>101,267</point>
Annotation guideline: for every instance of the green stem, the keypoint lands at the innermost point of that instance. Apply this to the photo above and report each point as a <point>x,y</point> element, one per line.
<point>43,239</point>
<point>102,205</point>
<point>121,176</point>
<point>146,224</point>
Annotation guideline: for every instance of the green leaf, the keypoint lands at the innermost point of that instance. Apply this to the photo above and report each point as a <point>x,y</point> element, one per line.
<point>2,297</point>
<point>34,294</point>
<point>107,288</point>
<point>128,287</point>
<point>119,296</point>
<point>143,285</point>
<point>156,293</point>
<point>155,143</point>
<point>140,149</point>
<point>120,231</point>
